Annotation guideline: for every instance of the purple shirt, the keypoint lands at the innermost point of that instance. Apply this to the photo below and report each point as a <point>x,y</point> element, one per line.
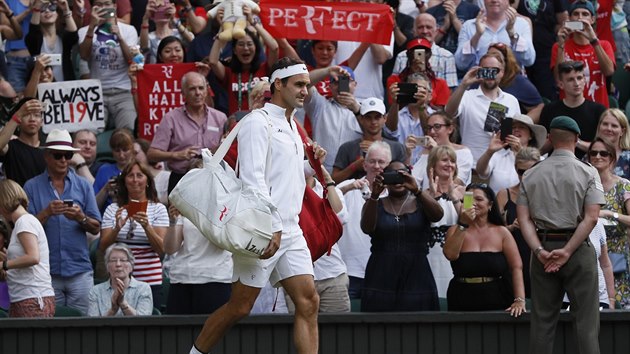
<point>179,131</point>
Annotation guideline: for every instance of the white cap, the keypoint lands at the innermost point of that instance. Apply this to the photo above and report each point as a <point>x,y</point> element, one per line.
<point>372,104</point>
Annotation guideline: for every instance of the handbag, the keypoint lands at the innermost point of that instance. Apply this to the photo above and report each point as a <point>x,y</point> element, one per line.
<point>619,262</point>
<point>231,215</point>
<point>319,222</point>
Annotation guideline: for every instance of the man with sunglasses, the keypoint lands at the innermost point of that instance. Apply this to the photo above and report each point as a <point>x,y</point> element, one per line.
<point>21,158</point>
<point>583,45</point>
<point>66,206</point>
<point>558,207</point>
<point>571,79</point>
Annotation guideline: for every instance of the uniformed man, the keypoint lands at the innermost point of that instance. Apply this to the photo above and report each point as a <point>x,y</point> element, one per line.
<point>557,208</point>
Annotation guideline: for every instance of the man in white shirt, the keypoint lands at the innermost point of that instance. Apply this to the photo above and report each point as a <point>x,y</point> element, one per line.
<point>287,259</point>
<point>471,107</point>
<point>104,44</point>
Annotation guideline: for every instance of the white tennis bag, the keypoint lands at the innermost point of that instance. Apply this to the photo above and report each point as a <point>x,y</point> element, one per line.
<point>232,216</point>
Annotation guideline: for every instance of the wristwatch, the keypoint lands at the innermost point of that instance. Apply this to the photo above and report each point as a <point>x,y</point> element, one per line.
<point>83,221</point>
<point>616,215</point>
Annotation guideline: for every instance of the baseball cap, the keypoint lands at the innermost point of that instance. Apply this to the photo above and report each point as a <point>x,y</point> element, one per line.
<point>372,104</point>
<point>346,68</point>
<point>418,42</point>
<point>581,4</point>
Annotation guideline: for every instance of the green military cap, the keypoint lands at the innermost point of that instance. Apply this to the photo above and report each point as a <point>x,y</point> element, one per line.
<point>565,123</point>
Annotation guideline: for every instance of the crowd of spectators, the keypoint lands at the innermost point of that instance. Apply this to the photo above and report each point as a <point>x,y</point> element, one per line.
<point>430,106</point>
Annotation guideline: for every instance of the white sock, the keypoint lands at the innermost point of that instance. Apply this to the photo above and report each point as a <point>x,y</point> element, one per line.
<point>194,350</point>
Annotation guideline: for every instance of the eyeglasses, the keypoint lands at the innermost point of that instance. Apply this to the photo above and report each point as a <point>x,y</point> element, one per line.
<point>571,65</point>
<point>116,260</point>
<point>132,227</point>
<point>49,8</point>
<point>436,126</point>
<point>602,153</point>
<point>58,155</point>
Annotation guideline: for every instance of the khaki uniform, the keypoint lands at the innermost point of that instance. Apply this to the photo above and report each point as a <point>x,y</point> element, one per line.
<point>556,191</point>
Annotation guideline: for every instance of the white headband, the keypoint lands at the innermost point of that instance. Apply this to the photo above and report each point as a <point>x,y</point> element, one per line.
<point>288,71</point>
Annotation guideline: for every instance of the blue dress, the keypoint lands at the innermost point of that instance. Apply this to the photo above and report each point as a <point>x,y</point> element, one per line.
<point>398,276</point>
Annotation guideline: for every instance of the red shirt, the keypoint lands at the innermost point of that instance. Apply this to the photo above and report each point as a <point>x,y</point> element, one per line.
<point>440,91</point>
<point>231,85</point>
<point>595,88</point>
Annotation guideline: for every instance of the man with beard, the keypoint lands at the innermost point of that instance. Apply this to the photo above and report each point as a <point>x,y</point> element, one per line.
<point>286,260</point>
<point>472,106</point>
<point>22,158</point>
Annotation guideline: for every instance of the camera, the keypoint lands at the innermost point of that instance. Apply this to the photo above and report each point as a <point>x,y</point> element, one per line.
<point>393,177</point>
<point>487,73</point>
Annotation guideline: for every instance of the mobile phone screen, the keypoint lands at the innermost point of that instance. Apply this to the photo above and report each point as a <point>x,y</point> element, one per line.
<point>468,200</point>
<point>344,84</point>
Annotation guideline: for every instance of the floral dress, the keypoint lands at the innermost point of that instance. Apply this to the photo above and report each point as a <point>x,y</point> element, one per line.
<point>617,237</point>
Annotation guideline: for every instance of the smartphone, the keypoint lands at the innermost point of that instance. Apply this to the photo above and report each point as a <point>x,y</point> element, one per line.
<point>108,12</point>
<point>136,206</point>
<point>468,200</point>
<point>160,13</point>
<point>68,202</point>
<point>574,25</point>
<point>487,73</point>
<point>344,83</point>
<point>55,59</point>
<point>406,92</point>
<point>419,55</point>
<point>506,127</point>
<point>392,177</point>
<point>421,140</point>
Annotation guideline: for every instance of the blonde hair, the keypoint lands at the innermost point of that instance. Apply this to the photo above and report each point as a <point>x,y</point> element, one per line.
<point>12,196</point>
<point>259,87</point>
<point>437,153</point>
<point>624,141</point>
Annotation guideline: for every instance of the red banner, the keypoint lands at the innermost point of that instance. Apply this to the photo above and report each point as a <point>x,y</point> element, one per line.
<point>159,91</point>
<point>299,19</point>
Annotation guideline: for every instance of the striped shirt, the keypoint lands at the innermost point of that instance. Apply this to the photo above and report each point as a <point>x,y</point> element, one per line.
<point>148,267</point>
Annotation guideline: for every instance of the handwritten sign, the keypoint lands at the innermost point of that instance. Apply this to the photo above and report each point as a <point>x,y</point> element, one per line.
<point>72,105</point>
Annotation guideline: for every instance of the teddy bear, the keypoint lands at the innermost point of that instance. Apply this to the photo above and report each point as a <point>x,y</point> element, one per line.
<point>234,21</point>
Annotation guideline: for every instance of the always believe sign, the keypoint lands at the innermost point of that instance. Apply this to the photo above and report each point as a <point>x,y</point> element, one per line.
<point>358,22</point>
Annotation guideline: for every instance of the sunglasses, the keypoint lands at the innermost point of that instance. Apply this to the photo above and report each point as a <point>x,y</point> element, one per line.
<point>49,8</point>
<point>58,155</point>
<point>602,153</point>
<point>568,66</point>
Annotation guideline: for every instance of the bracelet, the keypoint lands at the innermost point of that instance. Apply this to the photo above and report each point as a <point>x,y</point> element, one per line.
<point>465,226</point>
<point>538,250</point>
<point>124,308</point>
<point>35,9</point>
<point>417,192</point>
<point>594,41</point>
<point>16,119</point>
<point>331,184</point>
<point>144,27</point>
<point>440,30</point>
<point>79,165</point>
<point>519,299</point>
<point>90,36</point>
<point>134,90</point>
<point>67,14</point>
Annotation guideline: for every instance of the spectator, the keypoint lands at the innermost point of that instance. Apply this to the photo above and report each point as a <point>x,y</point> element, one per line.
<point>517,84</point>
<point>122,295</point>
<point>45,38</point>
<point>598,56</point>
<point>403,31</point>
<point>83,11</point>
<point>10,29</point>
<point>472,106</point>
<point>571,80</point>
<point>613,128</point>
<point>334,120</point>
<point>163,15</point>
<point>405,125</point>
<point>440,131</point>
<point>442,61</point>
<point>619,25</point>
<point>398,276</point>
<point>199,271</point>
<point>481,279</point>
<point>496,164</point>
<point>22,158</point>
<point>369,71</point>
<point>194,17</point>
<point>86,141</point>
<point>104,44</point>
<point>351,155</point>
<point>602,155</point>
<point>26,260</point>
<point>65,205</point>
<point>185,130</point>
<point>355,245</point>
<point>450,16</point>
<point>41,71</point>
<point>158,172</point>
<point>121,143</point>
<point>17,55</point>
<point>506,200</point>
<point>143,231</point>
<point>547,17</point>
<point>498,23</point>
<point>245,68</point>
<point>447,190</point>
<point>418,54</point>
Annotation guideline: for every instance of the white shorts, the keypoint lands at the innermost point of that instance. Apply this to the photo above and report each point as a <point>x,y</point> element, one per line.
<point>293,258</point>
